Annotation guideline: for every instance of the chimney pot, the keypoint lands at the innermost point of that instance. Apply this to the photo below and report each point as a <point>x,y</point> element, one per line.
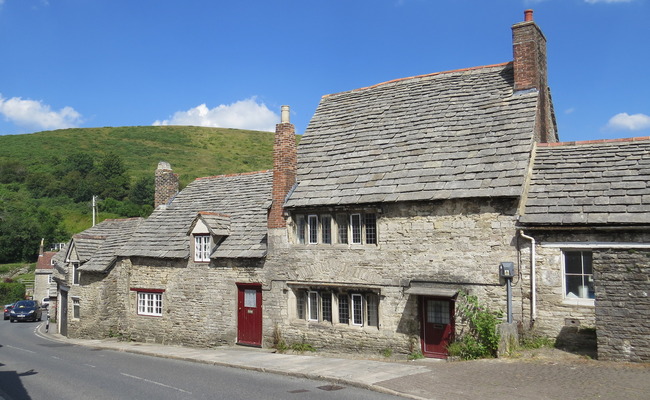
<point>285,115</point>
<point>528,15</point>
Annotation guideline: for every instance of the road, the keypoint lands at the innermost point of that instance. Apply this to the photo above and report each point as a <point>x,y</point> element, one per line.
<point>35,367</point>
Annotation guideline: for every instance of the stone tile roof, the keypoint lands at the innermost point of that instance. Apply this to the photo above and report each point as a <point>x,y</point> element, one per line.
<point>446,135</point>
<point>97,246</point>
<point>594,182</point>
<point>244,198</point>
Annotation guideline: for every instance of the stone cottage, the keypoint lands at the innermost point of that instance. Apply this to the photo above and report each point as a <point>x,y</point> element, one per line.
<point>585,239</point>
<point>407,193</point>
<point>44,285</point>
<point>84,279</point>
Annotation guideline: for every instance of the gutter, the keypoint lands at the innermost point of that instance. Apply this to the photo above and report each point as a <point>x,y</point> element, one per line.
<point>533,278</point>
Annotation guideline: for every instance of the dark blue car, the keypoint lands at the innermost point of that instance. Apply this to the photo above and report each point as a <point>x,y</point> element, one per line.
<point>26,310</point>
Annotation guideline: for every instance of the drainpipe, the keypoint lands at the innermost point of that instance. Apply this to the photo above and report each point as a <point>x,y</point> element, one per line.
<point>533,279</point>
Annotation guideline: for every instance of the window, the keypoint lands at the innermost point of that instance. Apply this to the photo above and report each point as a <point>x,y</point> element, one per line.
<point>326,229</point>
<point>202,248</point>
<point>312,306</point>
<point>150,303</point>
<point>372,302</point>
<point>344,309</point>
<point>313,229</point>
<point>355,228</point>
<point>301,229</point>
<point>342,222</point>
<point>341,228</point>
<point>75,273</point>
<point>76,307</point>
<point>300,303</point>
<point>371,228</point>
<point>357,310</point>
<point>326,306</point>
<point>578,275</point>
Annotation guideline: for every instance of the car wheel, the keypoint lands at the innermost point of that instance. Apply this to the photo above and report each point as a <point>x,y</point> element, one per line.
<point>12,320</point>
<point>40,317</point>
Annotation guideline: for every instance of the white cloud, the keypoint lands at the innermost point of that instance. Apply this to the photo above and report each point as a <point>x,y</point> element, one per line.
<point>36,115</point>
<point>608,1</point>
<point>243,114</point>
<point>626,122</point>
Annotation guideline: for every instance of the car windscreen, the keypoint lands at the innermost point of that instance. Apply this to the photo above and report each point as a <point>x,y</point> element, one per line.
<point>24,304</point>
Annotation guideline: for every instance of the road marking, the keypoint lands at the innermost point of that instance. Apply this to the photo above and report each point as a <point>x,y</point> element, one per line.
<point>91,366</point>
<point>155,383</point>
<point>21,349</point>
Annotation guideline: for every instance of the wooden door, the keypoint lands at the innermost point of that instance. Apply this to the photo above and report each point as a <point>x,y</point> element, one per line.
<point>249,314</point>
<point>437,325</point>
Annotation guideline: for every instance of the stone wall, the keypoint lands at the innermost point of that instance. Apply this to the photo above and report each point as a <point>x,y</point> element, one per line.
<point>623,304</point>
<point>451,244</point>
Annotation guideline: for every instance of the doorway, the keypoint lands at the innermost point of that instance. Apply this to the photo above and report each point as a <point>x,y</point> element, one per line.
<point>437,323</point>
<point>249,314</point>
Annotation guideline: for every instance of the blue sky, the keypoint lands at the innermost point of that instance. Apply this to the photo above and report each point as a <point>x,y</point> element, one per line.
<point>93,63</point>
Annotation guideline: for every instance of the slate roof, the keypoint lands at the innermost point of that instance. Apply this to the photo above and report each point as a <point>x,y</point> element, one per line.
<point>594,182</point>
<point>446,135</point>
<point>97,246</point>
<point>244,198</point>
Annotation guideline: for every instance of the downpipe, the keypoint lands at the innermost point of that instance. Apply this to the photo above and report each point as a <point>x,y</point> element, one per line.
<point>533,277</point>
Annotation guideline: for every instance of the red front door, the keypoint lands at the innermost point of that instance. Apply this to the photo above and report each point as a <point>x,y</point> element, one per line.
<point>437,325</point>
<point>249,314</point>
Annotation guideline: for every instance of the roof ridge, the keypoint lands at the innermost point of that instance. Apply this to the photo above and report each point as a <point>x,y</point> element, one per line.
<point>423,76</point>
<point>232,175</point>
<point>584,142</point>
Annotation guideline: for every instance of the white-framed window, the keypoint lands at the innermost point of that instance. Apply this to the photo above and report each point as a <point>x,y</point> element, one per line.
<point>312,306</point>
<point>150,303</point>
<point>76,308</point>
<point>75,273</point>
<point>339,228</point>
<point>313,229</point>
<point>578,276</point>
<point>356,309</point>
<point>202,248</point>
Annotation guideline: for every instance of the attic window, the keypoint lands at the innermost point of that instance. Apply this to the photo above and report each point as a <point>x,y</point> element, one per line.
<point>202,248</point>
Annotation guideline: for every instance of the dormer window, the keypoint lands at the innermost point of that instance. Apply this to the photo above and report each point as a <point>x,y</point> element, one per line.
<point>202,248</point>
<point>206,232</point>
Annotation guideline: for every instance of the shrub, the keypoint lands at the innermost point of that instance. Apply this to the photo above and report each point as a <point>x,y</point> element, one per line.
<point>481,339</point>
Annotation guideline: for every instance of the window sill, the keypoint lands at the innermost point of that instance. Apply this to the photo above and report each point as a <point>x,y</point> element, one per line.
<point>579,302</point>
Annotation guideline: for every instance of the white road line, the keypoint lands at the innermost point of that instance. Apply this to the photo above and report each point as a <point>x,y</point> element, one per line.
<point>155,383</point>
<point>21,349</point>
<point>88,365</point>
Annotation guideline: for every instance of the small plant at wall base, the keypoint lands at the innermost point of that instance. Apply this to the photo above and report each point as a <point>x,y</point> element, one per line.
<point>481,338</point>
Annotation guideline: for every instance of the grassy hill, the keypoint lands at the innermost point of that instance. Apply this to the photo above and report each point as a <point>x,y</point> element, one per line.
<point>36,189</point>
<point>192,151</point>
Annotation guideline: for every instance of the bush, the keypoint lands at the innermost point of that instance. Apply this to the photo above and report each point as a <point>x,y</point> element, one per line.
<point>482,337</point>
<point>11,292</point>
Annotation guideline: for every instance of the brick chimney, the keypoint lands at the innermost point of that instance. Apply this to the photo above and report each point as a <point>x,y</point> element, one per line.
<point>530,70</point>
<point>166,184</point>
<point>285,163</point>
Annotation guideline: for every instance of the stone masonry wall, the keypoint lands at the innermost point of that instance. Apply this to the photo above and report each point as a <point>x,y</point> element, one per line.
<point>623,304</point>
<point>453,244</point>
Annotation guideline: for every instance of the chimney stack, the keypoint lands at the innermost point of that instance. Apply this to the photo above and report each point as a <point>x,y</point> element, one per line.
<point>166,183</point>
<point>530,70</point>
<point>285,164</point>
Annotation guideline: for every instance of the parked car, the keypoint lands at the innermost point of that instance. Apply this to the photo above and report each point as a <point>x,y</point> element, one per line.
<point>8,308</point>
<point>46,302</point>
<point>26,310</point>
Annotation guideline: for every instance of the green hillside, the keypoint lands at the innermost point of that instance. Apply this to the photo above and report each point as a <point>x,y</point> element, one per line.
<point>47,179</point>
<point>192,151</point>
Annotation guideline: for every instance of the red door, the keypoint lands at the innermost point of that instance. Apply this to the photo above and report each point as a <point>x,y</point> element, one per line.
<point>249,314</point>
<point>437,326</point>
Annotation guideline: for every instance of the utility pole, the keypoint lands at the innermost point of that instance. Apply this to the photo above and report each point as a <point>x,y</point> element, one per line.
<point>94,209</point>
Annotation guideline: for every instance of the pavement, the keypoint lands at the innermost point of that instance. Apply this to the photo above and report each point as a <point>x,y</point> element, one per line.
<point>544,375</point>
